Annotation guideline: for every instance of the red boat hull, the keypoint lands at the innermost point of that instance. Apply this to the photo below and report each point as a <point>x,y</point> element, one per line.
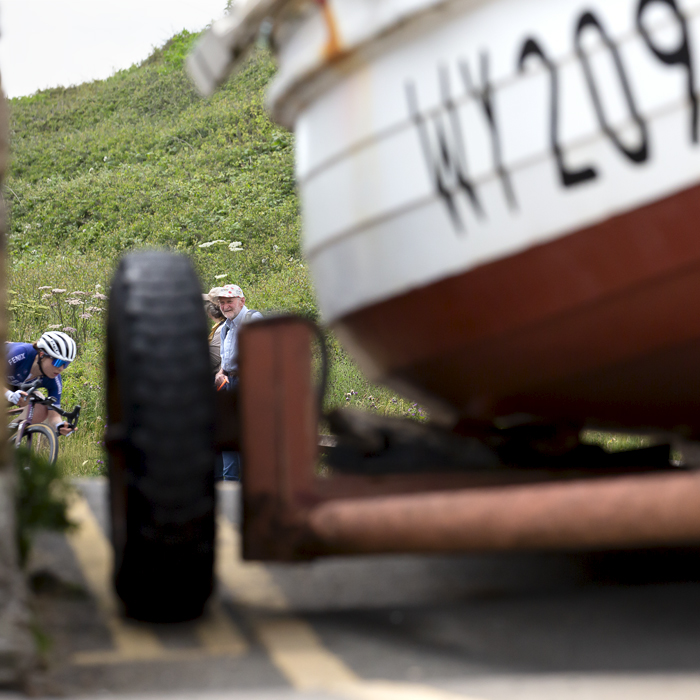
<point>599,326</point>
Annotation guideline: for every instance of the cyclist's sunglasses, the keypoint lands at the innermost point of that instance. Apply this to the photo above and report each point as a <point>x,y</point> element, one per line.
<point>60,363</point>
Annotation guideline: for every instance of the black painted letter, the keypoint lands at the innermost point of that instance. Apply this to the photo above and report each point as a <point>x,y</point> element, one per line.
<point>637,155</point>
<point>569,178</point>
<point>681,56</point>
<point>447,164</point>
<point>484,95</point>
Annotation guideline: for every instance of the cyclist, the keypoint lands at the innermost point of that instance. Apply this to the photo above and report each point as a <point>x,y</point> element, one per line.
<point>44,360</point>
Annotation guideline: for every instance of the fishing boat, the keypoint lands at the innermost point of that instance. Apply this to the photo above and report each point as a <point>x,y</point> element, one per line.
<point>500,198</point>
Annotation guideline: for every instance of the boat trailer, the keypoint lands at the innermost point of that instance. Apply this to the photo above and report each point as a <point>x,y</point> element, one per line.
<point>294,509</point>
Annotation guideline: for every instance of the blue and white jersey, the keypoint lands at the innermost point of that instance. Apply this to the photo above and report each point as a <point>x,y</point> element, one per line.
<point>20,358</point>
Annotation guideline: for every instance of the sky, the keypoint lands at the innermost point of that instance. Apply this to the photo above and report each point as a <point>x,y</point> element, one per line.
<point>47,43</point>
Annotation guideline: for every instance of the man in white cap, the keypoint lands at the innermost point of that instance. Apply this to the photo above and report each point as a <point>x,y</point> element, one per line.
<point>231,301</point>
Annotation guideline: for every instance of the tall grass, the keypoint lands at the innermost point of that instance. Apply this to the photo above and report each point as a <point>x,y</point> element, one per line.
<point>139,160</point>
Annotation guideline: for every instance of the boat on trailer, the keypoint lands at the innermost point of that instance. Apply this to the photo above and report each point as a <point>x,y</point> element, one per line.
<point>500,198</point>
<point>500,203</point>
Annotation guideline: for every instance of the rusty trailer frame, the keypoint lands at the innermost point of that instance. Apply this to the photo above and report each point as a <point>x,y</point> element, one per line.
<point>291,512</point>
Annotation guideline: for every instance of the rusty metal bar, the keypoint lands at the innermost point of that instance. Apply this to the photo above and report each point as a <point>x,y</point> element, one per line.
<point>279,435</point>
<point>291,513</point>
<point>629,511</point>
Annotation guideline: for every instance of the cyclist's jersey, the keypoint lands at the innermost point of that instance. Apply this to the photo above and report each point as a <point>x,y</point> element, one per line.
<point>20,358</point>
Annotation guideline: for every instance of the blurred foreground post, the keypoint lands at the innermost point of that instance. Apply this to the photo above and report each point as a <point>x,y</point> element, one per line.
<point>15,639</point>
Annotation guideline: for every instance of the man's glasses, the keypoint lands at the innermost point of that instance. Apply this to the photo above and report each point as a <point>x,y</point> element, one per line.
<point>60,363</point>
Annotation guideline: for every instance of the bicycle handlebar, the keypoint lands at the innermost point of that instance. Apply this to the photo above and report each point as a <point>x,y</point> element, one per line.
<point>30,387</point>
<point>71,416</point>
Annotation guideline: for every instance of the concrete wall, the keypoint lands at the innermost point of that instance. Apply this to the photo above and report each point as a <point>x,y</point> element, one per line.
<point>16,647</point>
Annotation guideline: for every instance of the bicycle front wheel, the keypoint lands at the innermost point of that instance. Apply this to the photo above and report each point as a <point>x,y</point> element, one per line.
<point>41,441</point>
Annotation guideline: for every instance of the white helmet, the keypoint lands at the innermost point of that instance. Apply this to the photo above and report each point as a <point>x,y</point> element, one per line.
<point>59,345</point>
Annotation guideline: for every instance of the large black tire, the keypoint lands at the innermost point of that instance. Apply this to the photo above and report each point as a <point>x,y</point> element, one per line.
<point>160,406</point>
<point>41,441</point>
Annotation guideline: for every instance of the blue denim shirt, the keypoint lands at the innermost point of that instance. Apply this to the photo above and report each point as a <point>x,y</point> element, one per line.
<point>229,338</point>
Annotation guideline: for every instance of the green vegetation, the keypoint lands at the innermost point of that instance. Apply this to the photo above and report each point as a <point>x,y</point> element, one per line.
<point>617,442</point>
<point>140,160</point>
<point>42,496</point>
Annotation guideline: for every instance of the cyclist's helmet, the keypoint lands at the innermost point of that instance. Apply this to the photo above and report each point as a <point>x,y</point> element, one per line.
<point>59,345</point>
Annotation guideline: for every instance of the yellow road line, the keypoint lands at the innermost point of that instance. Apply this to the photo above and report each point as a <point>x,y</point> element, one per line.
<point>135,641</point>
<point>390,690</point>
<point>293,645</point>
<point>94,554</point>
<point>114,657</point>
<point>250,583</point>
<point>299,654</point>
<point>218,634</point>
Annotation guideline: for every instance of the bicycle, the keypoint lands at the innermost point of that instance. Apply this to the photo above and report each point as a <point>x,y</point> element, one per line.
<point>39,439</point>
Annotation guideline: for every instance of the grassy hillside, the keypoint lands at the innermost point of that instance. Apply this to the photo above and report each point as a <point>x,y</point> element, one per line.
<point>140,160</point>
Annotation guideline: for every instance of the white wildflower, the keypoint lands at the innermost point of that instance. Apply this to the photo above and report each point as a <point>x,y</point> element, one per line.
<point>58,291</point>
<point>220,277</point>
<point>235,246</point>
<point>208,243</point>
<point>54,326</point>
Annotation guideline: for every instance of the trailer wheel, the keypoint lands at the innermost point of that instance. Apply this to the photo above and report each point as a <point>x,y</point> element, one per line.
<point>160,407</point>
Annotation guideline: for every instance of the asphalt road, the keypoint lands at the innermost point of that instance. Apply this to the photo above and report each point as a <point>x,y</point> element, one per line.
<point>559,626</point>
